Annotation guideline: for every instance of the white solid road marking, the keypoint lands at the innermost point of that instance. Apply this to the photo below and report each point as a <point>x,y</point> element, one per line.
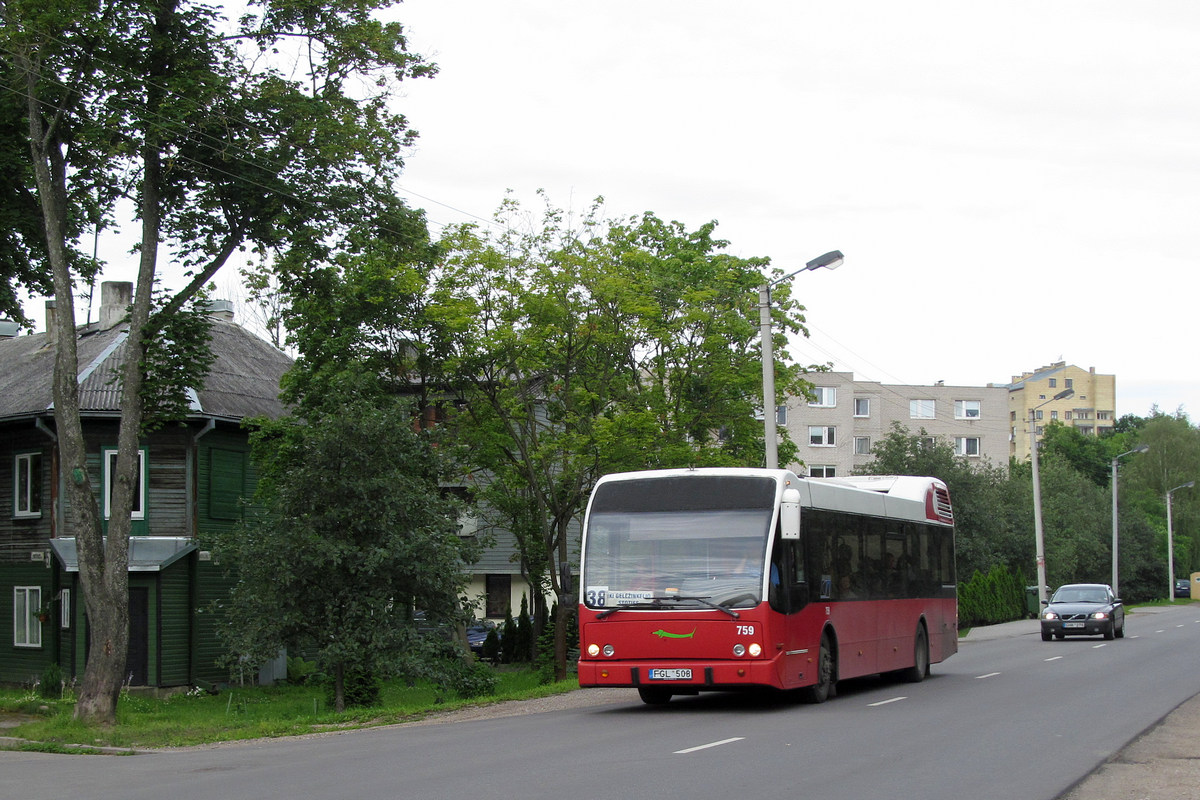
<point>885,702</point>
<point>1053,658</point>
<point>989,675</point>
<point>710,744</point>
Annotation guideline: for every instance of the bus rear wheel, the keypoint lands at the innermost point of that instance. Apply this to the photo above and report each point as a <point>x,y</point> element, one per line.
<point>653,696</point>
<point>920,668</point>
<point>823,689</point>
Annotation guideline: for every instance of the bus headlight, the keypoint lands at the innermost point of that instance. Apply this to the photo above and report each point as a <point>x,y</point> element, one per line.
<point>755,650</point>
<point>593,650</point>
<point>608,650</point>
<point>739,650</point>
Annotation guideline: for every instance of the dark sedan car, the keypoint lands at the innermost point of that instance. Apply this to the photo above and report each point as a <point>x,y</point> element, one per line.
<point>1083,609</point>
<point>1183,587</point>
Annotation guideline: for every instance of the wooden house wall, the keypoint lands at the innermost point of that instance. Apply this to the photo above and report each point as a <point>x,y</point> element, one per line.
<point>18,537</point>
<point>210,589</point>
<point>174,625</point>
<point>24,664</point>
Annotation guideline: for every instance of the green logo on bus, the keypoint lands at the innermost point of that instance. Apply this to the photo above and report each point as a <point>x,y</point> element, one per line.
<point>660,633</point>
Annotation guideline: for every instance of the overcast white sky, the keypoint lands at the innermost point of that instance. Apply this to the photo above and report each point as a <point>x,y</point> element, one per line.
<point>1012,183</point>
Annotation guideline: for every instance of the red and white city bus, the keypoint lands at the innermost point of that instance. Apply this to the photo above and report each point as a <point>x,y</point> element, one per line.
<point>717,579</point>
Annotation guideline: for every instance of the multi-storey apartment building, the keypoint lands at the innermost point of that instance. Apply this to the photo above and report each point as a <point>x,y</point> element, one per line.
<point>836,431</point>
<point>1090,406</point>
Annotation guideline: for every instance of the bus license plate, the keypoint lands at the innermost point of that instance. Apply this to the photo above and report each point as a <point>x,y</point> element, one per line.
<point>1072,624</point>
<point>670,674</point>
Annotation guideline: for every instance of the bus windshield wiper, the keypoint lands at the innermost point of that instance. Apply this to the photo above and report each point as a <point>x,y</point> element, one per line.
<point>657,602</point>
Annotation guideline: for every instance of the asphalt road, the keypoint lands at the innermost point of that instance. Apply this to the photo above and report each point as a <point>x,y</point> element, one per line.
<point>1008,717</point>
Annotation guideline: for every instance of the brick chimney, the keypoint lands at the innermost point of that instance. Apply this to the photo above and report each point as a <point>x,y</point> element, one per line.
<point>115,299</point>
<point>51,328</point>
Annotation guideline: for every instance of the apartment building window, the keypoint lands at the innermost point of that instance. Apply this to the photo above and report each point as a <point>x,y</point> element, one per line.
<point>27,485</point>
<point>1103,415</point>
<point>1038,414</point>
<point>27,611</point>
<point>822,471</point>
<point>862,445</point>
<point>922,409</point>
<point>862,406</point>
<point>1053,414</point>
<point>1083,415</point>
<point>139,490</point>
<point>966,409</point>
<point>1067,415</point>
<point>822,435</point>
<point>966,445</point>
<point>1070,383</point>
<point>824,397</point>
<point>781,415</point>
<point>1054,383</point>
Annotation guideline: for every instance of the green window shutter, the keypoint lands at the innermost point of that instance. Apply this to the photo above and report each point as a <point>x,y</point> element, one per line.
<point>226,484</point>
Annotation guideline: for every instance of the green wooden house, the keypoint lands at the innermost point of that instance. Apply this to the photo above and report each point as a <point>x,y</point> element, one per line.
<point>194,479</point>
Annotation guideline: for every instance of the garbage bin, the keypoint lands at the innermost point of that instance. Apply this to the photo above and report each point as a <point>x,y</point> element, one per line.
<point>1033,605</point>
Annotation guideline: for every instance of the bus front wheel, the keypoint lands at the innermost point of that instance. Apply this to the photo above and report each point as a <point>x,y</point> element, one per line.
<point>823,689</point>
<point>653,696</point>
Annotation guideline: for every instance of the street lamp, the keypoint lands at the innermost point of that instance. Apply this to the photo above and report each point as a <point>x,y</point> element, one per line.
<point>831,260</point>
<point>1141,448</point>
<point>1171,544</point>
<point>1038,538</point>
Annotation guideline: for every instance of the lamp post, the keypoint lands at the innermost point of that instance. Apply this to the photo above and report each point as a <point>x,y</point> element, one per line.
<point>1038,538</point>
<point>1141,448</point>
<point>831,260</point>
<point>1171,542</point>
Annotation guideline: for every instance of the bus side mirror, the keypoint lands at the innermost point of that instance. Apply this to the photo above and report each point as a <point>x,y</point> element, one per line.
<point>789,515</point>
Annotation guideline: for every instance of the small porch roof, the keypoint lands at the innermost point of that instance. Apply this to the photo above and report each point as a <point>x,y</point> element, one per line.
<point>146,553</point>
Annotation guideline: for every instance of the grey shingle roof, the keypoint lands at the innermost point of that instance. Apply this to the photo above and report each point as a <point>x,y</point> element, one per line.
<point>243,380</point>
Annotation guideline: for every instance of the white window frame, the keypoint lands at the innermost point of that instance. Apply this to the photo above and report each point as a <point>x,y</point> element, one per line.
<point>23,467</point>
<point>862,445</point>
<point>825,434</point>
<point>862,407</point>
<point>825,470</point>
<point>826,397</point>
<point>781,415</point>
<point>109,463</point>
<point>64,609</point>
<point>923,408</point>
<point>967,409</point>
<point>27,628</point>
<point>962,446</point>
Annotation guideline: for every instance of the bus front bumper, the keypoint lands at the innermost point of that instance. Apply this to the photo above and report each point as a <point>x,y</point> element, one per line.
<point>687,676</point>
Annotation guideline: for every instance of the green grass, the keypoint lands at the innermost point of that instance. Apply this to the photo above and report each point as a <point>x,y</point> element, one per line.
<point>239,713</point>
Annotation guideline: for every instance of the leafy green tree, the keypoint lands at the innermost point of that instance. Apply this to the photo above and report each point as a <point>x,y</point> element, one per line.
<point>581,348</point>
<point>355,534</point>
<point>202,131</point>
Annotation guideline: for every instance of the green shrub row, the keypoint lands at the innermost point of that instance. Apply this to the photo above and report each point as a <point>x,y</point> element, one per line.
<point>988,599</point>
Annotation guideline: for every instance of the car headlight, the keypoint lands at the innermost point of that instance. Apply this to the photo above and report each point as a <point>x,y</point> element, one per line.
<point>1100,615</point>
<point>1050,615</point>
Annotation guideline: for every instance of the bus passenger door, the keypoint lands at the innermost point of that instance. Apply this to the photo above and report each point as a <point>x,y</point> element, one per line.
<point>788,594</point>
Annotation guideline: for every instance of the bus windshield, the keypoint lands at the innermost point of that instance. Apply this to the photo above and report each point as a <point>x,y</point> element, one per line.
<point>688,557</point>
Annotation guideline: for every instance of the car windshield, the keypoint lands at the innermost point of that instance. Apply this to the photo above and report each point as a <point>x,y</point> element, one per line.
<point>1080,594</point>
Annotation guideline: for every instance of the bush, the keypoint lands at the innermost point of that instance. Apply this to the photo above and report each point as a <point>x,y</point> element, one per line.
<point>998,596</point>
<point>362,688</point>
<point>468,678</point>
<point>51,684</point>
<point>300,671</point>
